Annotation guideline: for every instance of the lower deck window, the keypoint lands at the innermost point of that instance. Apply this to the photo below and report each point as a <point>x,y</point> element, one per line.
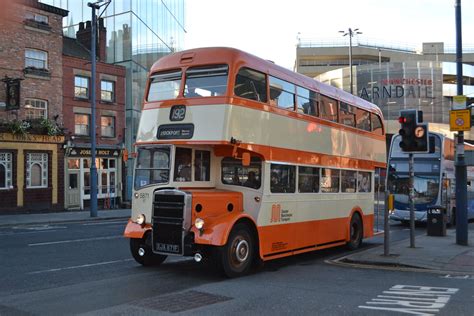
<point>234,173</point>
<point>329,180</point>
<point>184,167</point>
<point>282,178</point>
<point>364,182</point>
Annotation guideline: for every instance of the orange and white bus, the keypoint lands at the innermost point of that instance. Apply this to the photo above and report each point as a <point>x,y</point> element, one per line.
<point>239,160</point>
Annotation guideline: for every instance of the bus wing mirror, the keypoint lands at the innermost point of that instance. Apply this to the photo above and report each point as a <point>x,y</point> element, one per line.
<point>246,159</point>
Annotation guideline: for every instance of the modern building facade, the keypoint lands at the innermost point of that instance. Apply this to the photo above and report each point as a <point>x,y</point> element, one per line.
<point>31,133</point>
<point>394,78</point>
<point>109,124</point>
<point>138,33</point>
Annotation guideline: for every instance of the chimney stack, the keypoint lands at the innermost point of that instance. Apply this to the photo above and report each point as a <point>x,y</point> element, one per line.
<point>84,34</point>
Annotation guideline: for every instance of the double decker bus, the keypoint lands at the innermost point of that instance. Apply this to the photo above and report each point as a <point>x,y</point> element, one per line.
<point>240,161</point>
<point>434,180</point>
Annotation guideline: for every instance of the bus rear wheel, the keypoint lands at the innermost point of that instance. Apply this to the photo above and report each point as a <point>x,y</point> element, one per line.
<point>143,254</point>
<point>355,232</point>
<point>236,257</point>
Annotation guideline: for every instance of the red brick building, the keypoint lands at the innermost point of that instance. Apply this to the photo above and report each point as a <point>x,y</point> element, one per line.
<point>31,139</point>
<point>109,124</point>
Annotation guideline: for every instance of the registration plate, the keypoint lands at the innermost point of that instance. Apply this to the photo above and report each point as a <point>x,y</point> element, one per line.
<point>167,247</point>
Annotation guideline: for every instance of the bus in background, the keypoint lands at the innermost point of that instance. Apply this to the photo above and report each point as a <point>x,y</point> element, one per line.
<point>239,160</point>
<point>434,181</point>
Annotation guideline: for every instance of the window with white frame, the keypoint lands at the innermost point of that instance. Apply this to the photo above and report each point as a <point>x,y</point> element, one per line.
<point>81,87</point>
<point>107,126</point>
<point>5,170</point>
<point>107,91</point>
<point>36,109</point>
<point>37,170</point>
<point>36,58</point>
<point>81,124</point>
<point>37,17</point>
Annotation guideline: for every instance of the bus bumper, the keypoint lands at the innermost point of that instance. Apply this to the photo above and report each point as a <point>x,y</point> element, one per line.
<point>404,216</point>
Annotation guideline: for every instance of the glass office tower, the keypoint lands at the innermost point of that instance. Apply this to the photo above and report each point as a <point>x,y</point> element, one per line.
<point>138,33</point>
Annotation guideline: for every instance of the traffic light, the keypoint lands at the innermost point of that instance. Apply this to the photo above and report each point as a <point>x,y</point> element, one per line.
<point>414,133</point>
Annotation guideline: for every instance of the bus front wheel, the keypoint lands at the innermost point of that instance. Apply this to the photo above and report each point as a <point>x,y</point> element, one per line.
<point>236,257</point>
<point>355,232</point>
<point>143,254</point>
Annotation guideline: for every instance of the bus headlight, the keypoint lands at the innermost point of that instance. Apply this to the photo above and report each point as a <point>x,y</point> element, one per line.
<point>199,223</point>
<point>140,219</point>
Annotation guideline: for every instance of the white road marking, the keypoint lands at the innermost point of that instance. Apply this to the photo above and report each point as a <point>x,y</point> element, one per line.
<point>26,233</point>
<point>412,299</point>
<point>73,240</point>
<point>105,223</point>
<point>81,266</point>
<point>39,228</point>
<point>458,277</point>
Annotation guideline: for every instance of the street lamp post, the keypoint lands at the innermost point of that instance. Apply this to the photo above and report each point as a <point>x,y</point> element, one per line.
<point>351,33</point>
<point>93,168</point>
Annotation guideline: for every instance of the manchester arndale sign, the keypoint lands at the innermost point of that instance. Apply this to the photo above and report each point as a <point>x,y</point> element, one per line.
<point>398,88</point>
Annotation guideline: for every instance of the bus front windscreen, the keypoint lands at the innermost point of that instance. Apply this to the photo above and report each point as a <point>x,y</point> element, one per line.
<point>208,81</point>
<point>152,167</point>
<point>426,188</point>
<point>164,86</point>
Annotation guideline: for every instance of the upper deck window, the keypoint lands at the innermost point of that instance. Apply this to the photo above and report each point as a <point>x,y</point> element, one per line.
<point>282,93</point>
<point>209,81</point>
<point>251,84</point>
<point>328,108</point>
<point>307,101</point>
<point>164,85</point>
<point>347,114</point>
<point>376,124</point>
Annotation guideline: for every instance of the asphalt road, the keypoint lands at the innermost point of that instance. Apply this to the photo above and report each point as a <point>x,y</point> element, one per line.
<point>86,268</point>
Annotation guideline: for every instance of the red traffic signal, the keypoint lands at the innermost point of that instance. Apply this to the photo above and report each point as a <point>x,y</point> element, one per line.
<point>413,133</point>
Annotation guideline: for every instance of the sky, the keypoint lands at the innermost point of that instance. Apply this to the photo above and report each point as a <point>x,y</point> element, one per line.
<point>270,28</point>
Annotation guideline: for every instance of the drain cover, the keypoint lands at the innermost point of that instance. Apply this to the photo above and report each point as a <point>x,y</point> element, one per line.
<point>179,302</point>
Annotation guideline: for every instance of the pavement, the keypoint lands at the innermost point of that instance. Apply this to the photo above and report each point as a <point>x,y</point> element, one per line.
<point>62,217</point>
<point>438,254</point>
<point>431,253</point>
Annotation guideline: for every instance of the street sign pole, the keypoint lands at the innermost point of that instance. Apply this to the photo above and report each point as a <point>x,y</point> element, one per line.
<point>411,171</point>
<point>461,170</point>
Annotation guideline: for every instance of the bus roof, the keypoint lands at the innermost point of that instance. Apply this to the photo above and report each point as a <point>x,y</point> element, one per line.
<point>238,58</point>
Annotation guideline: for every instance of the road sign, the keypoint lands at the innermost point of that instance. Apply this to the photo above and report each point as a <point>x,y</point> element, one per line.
<point>460,120</point>
<point>459,102</point>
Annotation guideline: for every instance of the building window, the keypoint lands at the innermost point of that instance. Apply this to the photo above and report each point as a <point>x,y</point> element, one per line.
<point>5,170</point>
<point>37,17</point>
<point>81,124</point>
<point>81,87</point>
<point>107,91</point>
<point>37,170</point>
<point>36,59</point>
<point>107,126</point>
<point>36,109</point>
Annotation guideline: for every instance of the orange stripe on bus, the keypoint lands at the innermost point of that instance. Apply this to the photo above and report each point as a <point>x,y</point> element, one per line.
<point>284,155</point>
<point>288,239</point>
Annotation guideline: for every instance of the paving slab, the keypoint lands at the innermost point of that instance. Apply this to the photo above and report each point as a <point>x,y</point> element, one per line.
<point>431,253</point>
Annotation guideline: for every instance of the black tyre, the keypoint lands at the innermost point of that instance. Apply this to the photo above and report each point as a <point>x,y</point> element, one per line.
<point>356,232</point>
<point>237,256</point>
<point>143,254</point>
